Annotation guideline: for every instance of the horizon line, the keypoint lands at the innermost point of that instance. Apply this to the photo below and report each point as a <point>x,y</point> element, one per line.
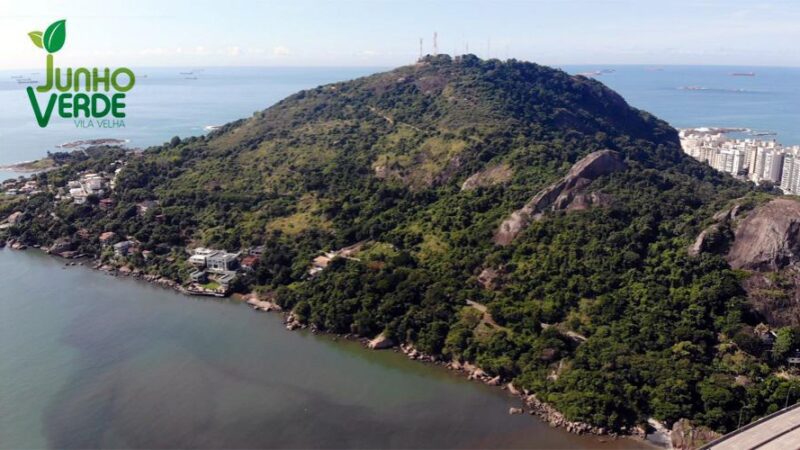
<point>380,66</point>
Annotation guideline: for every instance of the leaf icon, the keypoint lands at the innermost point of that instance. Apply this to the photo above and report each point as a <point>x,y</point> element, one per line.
<point>55,35</point>
<point>36,37</point>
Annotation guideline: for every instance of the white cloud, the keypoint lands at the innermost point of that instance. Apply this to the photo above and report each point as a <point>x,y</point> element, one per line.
<point>153,51</point>
<point>281,51</point>
<point>234,51</point>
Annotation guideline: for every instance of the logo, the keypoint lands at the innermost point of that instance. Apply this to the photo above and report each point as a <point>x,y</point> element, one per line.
<point>90,97</point>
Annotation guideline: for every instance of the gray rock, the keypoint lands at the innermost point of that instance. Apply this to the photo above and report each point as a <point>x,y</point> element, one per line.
<point>565,194</point>
<point>768,238</point>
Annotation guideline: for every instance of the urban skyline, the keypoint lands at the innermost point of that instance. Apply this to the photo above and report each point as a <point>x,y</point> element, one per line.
<point>752,159</point>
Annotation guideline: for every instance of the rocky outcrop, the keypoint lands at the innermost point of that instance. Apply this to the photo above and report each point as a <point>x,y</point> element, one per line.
<point>700,243</point>
<point>489,176</point>
<point>768,239</point>
<point>686,436</point>
<point>489,278</point>
<point>566,194</point>
<point>16,245</point>
<point>549,414</point>
<point>261,305</point>
<point>717,237</point>
<point>60,246</point>
<point>13,218</point>
<point>292,322</point>
<point>775,296</point>
<point>380,342</point>
<point>582,201</point>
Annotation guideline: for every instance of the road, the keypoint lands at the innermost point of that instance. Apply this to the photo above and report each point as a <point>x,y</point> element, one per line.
<point>779,431</point>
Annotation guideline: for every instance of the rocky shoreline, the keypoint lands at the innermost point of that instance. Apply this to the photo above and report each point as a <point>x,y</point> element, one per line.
<point>532,404</point>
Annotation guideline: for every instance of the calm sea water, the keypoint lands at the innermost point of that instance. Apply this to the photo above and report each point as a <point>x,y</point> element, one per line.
<point>88,361</point>
<point>693,96</point>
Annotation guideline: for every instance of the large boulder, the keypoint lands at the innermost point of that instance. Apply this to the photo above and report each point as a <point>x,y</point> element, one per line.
<point>566,194</point>
<point>380,342</point>
<point>686,436</point>
<point>61,246</point>
<point>488,278</point>
<point>769,238</point>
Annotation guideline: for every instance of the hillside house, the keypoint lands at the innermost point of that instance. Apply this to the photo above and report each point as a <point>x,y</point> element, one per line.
<point>222,261</point>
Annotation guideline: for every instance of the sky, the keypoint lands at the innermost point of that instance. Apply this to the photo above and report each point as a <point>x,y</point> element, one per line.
<point>198,33</point>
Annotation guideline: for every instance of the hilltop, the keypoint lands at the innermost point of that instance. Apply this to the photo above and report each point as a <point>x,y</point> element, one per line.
<point>501,214</point>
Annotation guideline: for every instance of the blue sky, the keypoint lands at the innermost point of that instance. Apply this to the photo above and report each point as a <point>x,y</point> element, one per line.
<point>386,33</point>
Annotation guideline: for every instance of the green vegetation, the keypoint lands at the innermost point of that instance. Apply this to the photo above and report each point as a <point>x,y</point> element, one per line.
<point>382,159</point>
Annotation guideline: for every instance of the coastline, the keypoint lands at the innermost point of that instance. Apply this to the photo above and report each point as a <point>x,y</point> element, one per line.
<point>532,405</point>
<point>25,167</point>
<point>45,163</point>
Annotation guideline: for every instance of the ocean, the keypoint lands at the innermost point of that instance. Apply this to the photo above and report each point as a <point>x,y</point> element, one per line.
<point>92,361</point>
<point>695,96</point>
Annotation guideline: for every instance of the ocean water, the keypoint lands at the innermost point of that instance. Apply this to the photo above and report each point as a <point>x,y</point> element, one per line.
<point>694,96</point>
<point>91,361</point>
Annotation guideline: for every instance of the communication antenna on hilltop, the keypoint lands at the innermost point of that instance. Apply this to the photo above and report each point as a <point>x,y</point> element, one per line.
<point>420,48</point>
<point>435,44</point>
<point>466,48</point>
<point>488,48</point>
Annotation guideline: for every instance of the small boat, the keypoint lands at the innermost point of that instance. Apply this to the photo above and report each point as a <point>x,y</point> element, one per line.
<point>743,74</point>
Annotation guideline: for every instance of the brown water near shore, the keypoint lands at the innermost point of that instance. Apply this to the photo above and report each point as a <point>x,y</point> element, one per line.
<point>89,361</point>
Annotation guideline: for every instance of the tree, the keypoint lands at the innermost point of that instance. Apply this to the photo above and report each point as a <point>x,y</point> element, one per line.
<point>785,342</point>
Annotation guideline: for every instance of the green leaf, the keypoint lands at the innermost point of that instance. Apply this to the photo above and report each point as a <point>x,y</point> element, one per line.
<point>55,35</point>
<point>36,37</point>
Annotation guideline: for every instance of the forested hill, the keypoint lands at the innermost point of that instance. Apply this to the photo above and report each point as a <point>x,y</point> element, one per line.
<point>593,302</point>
